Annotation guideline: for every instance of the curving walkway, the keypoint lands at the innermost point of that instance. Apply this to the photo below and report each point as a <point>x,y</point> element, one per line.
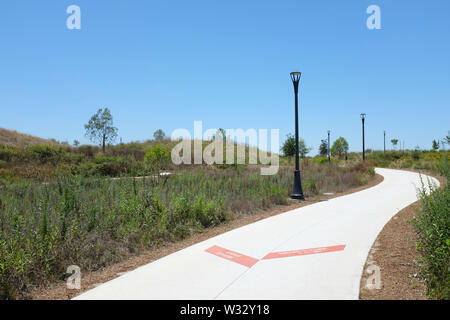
<point>314,252</point>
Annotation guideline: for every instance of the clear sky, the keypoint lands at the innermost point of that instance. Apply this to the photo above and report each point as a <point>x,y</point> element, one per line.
<point>164,64</point>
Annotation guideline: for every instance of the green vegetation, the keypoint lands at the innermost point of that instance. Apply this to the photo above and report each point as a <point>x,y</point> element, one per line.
<point>288,147</point>
<point>433,223</point>
<point>415,159</point>
<point>100,128</point>
<point>394,143</point>
<point>435,145</point>
<point>159,135</point>
<point>158,158</point>
<point>59,205</point>
<point>95,205</point>
<point>93,222</point>
<point>323,148</point>
<point>48,162</point>
<point>433,218</point>
<point>339,147</point>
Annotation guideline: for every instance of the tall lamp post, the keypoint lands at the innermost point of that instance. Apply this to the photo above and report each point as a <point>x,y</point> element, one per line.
<point>384,145</point>
<point>363,117</point>
<point>329,155</point>
<point>297,193</point>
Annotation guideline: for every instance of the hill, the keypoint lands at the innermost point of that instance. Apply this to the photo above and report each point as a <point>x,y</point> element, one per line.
<point>14,138</point>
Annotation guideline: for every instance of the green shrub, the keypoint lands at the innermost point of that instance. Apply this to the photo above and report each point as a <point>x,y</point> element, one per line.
<point>278,194</point>
<point>433,223</point>
<point>87,150</point>
<point>158,158</point>
<point>5,155</point>
<point>371,171</point>
<point>310,185</point>
<point>320,160</point>
<point>130,149</point>
<point>47,153</point>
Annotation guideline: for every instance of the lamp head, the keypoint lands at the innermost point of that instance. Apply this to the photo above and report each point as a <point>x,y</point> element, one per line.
<point>295,76</point>
<point>363,116</point>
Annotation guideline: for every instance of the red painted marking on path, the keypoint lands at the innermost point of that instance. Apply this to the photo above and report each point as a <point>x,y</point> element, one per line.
<point>233,256</point>
<point>302,252</point>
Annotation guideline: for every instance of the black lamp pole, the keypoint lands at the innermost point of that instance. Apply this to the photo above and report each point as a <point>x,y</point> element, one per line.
<point>363,117</point>
<point>297,193</point>
<point>384,145</point>
<point>329,152</point>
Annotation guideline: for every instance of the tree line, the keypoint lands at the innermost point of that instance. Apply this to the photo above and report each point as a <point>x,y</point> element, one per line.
<point>339,147</point>
<point>100,129</point>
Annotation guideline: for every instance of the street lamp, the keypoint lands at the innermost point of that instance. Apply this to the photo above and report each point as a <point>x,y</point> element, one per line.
<point>329,156</point>
<point>297,193</point>
<point>384,144</point>
<point>363,117</point>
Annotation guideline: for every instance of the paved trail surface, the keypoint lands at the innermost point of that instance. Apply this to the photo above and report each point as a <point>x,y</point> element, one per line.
<point>314,252</point>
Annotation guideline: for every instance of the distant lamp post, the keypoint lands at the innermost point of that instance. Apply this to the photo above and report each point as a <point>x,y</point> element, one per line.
<point>297,193</point>
<point>363,118</point>
<point>384,143</point>
<point>329,151</point>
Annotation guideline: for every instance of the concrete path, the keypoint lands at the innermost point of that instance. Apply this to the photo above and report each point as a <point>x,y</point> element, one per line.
<point>314,252</point>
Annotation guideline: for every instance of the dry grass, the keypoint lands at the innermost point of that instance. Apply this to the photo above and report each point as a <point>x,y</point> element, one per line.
<point>58,290</point>
<point>14,138</point>
<point>94,222</point>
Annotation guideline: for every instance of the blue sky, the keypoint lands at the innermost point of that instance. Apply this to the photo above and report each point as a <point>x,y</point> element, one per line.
<point>164,64</point>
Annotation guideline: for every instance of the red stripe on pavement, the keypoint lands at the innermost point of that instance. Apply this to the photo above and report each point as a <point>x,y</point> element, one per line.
<point>302,252</point>
<point>232,256</point>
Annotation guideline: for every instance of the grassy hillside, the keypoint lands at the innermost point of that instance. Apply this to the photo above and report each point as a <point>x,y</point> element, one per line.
<point>14,138</point>
<point>82,216</point>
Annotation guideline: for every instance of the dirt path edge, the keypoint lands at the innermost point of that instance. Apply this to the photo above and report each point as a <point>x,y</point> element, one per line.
<point>395,256</point>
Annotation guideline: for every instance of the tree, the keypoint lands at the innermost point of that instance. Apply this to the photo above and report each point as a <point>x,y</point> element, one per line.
<point>288,147</point>
<point>76,143</point>
<point>159,135</point>
<point>448,138</point>
<point>100,128</point>
<point>221,132</point>
<point>435,145</point>
<point>339,147</point>
<point>443,143</point>
<point>303,150</point>
<point>394,143</point>
<point>323,149</point>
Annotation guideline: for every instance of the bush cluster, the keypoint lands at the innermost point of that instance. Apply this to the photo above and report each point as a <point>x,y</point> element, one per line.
<point>433,223</point>
<point>47,162</point>
<point>416,159</point>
